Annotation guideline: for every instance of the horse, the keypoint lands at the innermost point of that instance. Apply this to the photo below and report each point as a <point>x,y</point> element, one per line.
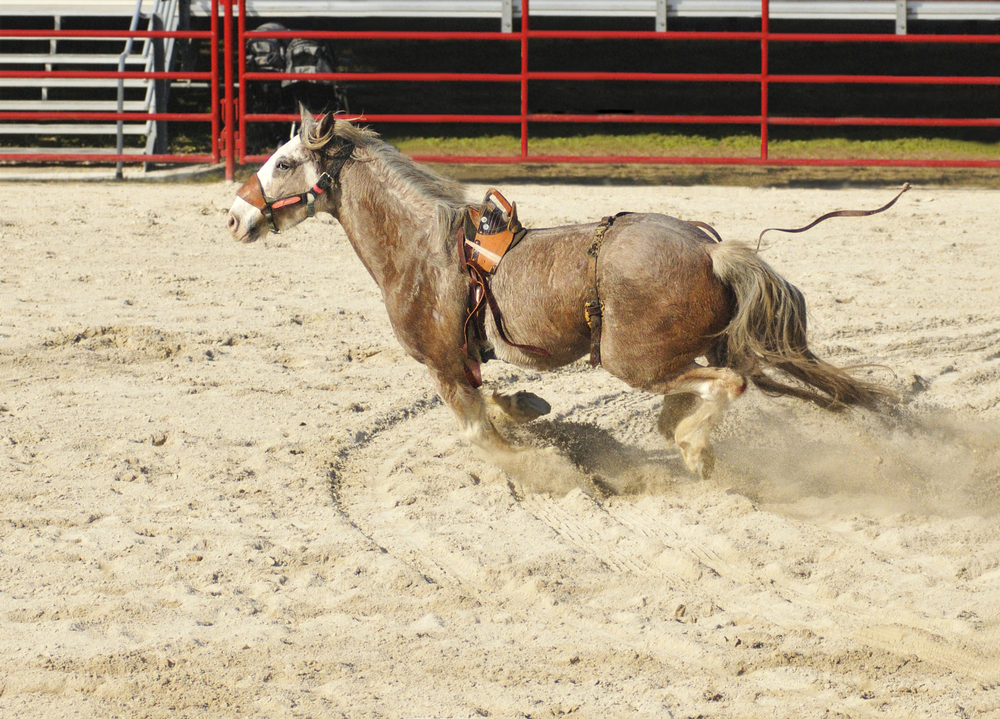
<point>682,313</point>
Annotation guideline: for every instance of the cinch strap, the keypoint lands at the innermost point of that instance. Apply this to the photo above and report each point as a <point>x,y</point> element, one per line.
<point>593,308</point>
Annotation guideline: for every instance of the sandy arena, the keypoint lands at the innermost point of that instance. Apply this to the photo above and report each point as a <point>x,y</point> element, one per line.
<point>226,492</point>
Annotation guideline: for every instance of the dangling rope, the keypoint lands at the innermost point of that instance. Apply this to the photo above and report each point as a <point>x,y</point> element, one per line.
<point>838,213</point>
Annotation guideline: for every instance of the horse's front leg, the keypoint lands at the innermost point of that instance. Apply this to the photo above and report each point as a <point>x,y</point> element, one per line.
<point>521,406</point>
<point>470,410</point>
<point>532,468</point>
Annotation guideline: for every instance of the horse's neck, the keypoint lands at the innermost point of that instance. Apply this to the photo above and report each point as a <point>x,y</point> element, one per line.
<point>422,282</point>
<point>389,236</point>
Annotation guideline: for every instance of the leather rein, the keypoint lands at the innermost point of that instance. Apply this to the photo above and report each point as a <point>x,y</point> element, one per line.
<point>253,191</point>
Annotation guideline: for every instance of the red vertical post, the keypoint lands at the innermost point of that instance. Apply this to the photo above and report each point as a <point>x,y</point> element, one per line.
<point>241,28</point>
<point>227,56</point>
<point>216,110</point>
<point>765,12</point>
<point>524,79</point>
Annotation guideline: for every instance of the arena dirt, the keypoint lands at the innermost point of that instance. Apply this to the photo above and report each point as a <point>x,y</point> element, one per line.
<point>226,492</point>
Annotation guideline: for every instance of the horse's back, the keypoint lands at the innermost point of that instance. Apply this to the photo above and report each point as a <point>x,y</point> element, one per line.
<point>655,244</point>
<point>663,304</point>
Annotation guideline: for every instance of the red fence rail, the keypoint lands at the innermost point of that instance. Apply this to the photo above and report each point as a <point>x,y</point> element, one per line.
<point>230,118</point>
<point>763,78</point>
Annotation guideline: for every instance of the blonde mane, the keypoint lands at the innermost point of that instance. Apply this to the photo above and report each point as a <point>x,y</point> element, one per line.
<point>412,185</point>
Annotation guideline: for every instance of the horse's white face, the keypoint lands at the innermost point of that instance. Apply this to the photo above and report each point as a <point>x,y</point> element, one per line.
<point>289,171</point>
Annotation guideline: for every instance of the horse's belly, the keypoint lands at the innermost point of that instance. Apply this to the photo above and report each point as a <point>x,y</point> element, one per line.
<point>541,287</point>
<point>562,343</point>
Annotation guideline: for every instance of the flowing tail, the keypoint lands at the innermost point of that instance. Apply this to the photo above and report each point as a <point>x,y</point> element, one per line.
<point>768,329</point>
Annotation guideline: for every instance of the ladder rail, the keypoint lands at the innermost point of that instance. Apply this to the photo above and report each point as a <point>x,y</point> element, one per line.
<point>120,136</point>
<point>165,15</point>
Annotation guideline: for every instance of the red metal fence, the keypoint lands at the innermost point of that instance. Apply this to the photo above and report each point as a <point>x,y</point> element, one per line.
<point>764,120</point>
<point>229,101</point>
<point>211,115</point>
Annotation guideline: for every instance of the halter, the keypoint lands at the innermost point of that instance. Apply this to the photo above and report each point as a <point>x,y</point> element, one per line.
<point>253,191</point>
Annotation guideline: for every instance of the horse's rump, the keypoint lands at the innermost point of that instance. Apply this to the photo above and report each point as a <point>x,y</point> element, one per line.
<point>663,305</point>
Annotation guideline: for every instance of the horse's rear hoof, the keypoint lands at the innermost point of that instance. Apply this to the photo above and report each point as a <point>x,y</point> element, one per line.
<point>700,462</point>
<point>522,406</point>
<point>707,468</point>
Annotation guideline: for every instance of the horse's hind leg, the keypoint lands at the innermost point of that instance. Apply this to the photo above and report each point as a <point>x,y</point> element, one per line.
<point>675,408</point>
<point>694,403</point>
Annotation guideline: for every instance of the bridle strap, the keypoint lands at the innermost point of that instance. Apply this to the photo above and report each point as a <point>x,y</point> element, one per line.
<point>253,191</point>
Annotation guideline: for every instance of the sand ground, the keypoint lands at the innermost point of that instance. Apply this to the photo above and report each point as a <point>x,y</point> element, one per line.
<point>226,492</point>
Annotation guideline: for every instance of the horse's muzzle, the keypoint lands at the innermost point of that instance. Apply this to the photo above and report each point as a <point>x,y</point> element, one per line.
<point>252,192</point>
<point>242,226</point>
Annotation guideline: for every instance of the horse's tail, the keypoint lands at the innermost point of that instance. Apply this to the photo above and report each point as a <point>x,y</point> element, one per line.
<point>768,329</point>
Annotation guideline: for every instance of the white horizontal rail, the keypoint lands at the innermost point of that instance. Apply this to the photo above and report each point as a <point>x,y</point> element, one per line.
<point>68,151</point>
<point>31,128</point>
<point>67,59</point>
<point>779,9</point>
<point>72,106</point>
<point>67,82</point>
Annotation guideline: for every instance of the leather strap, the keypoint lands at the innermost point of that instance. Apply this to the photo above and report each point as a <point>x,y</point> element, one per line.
<point>593,309</point>
<point>707,228</point>
<point>837,213</point>
<point>498,321</point>
<point>480,253</point>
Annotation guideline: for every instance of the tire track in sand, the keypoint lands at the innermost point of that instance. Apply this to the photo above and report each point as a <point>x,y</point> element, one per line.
<point>889,631</point>
<point>618,535</point>
<point>496,576</point>
<point>896,632</point>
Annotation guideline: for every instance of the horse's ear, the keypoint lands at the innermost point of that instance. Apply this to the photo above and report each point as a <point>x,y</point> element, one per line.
<point>326,125</point>
<point>313,132</point>
<point>308,123</point>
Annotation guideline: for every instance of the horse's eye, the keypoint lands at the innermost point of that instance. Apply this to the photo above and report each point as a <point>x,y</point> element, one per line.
<point>283,165</point>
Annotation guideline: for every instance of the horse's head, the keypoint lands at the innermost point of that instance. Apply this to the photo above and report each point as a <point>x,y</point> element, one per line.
<point>293,184</point>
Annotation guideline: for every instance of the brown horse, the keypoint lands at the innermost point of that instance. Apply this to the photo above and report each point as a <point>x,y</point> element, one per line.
<point>669,292</point>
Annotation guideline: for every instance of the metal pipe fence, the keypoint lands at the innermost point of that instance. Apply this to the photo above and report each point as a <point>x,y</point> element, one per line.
<point>211,115</point>
<point>230,118</point>
<point>762,77</point>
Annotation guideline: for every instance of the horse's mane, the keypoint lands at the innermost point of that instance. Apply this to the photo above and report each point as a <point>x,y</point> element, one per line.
<point>407,182</point>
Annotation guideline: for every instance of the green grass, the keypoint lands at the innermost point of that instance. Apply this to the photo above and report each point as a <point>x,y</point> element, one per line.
<point>677,145</point>
<point>806,143</point>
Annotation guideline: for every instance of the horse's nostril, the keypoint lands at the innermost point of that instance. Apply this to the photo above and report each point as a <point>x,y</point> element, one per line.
<point>232,222</point>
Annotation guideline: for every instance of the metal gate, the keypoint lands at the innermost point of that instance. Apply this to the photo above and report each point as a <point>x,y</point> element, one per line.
<point>90,108</point>
<point>761,77</point>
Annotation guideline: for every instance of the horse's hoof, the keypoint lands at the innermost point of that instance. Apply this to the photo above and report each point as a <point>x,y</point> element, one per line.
<point>701,464</point>
<point>707,463</point>
<point>522,406</point>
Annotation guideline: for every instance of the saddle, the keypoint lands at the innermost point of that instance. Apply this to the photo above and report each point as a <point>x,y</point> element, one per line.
<point>488,233</point>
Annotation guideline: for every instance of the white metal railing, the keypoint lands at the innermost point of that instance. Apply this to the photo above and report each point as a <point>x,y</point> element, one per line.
<point>505,11</point>
<point>120,125</point>
<point>165,15</point>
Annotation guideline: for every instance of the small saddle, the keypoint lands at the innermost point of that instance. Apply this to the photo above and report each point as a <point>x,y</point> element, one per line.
<point>491,231</point>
